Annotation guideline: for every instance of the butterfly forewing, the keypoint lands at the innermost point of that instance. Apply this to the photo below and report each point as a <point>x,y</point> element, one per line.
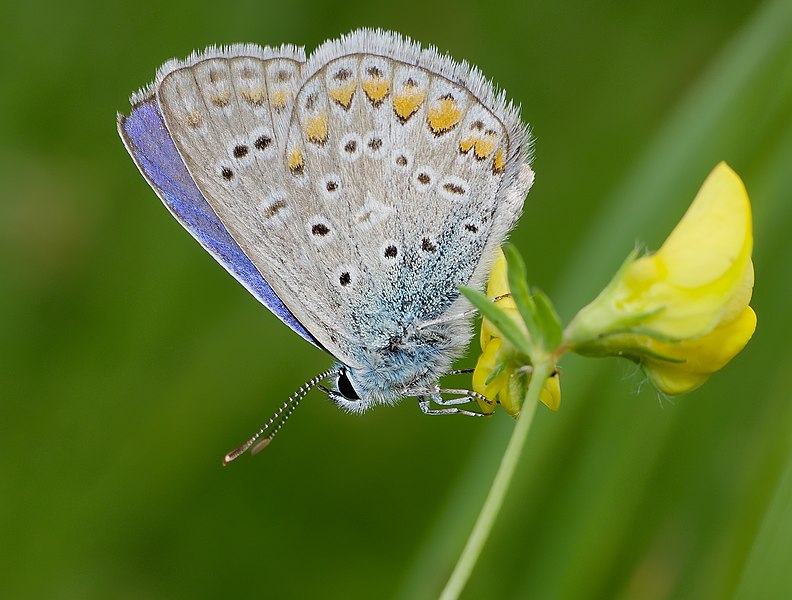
<point>228,118</point>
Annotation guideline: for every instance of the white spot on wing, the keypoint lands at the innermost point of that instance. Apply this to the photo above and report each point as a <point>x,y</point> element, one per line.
<point>423,178</point>
<point>262,143</point>
<point>371,213</point>
<point>330,187</point>
<point>275,208</point>
<point>227,174</point>
<point>240,153</point>
<point>346,277</point>
<point>390,252</point>
<point>350,147</point>
<point>375,144</point>
<point>401,160</point>
<point>320,231</point>
<point>454,188</point>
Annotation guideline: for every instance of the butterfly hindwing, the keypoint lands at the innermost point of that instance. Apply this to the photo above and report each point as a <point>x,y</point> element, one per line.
<point>364,184</point>
<point>403,181</point>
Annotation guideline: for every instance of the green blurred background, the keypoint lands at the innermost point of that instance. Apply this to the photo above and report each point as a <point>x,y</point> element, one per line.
<point>131,362</point>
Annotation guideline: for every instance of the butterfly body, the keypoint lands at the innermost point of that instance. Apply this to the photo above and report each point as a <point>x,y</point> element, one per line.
<point>410,363</point>
<point>351,192</point>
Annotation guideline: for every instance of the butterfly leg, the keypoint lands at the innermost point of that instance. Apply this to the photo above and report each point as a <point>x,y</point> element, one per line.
<point>424,404</point>
<point>450,404</point>
<point>447,318</point>
<point>464,397</point>
<point>460,371</point>
<point>463,315</point>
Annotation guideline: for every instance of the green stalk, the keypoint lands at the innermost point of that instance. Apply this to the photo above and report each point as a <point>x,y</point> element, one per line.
<point>500,486</point>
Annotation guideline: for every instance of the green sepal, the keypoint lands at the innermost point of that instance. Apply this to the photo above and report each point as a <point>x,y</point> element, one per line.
<point>495,372</point>
<point>518,387</point>
<point>548,320</point>
<point>499,319</point>
<point>631,258</point>
<point>521,294</point>
<point>604,347</point>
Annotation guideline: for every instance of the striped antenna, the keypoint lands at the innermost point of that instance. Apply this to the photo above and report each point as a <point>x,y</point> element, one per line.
<point>276,421</point>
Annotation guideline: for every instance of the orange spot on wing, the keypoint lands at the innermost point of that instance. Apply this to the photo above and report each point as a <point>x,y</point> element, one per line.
<point>485,146</point>
<point>443,115</point>
<point>279,98</point>
<point>194,119</point>
<point>296,161</point>
<point>255,97</point>
<point>407,103</point>
<point>376,89</point>
<point>466,144</point>
<point>343,94</point>
<point>220,99</point>
<point>498,163</point>
<point>316,128</point>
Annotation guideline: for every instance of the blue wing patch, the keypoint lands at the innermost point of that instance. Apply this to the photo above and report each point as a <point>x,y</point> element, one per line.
<point>148,141</point>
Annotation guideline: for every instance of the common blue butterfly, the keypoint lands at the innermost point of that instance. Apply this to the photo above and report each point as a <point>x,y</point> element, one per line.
<point>352,192</point>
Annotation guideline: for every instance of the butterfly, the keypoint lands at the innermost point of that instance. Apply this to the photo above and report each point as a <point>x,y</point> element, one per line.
<point>352,192</point>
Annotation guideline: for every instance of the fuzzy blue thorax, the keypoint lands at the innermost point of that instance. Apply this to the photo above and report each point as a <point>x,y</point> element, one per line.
<point>409,365</point>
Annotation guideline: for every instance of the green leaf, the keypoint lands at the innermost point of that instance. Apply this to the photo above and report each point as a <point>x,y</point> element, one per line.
<point>548,320</point>
<point>518,284</point>
<point>499,319</point>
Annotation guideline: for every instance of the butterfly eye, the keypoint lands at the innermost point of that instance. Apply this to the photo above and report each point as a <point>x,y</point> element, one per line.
<point>345,387</point>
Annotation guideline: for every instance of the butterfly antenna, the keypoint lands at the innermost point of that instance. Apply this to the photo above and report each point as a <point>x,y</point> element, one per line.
<point>276,421</point>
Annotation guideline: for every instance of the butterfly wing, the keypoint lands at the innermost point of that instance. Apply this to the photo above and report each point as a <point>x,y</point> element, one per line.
<point>152,148</point>
<point>407,170</point>
<point>365,185</point>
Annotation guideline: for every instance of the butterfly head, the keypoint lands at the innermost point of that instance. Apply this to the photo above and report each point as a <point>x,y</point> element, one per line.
<point>345,394</point>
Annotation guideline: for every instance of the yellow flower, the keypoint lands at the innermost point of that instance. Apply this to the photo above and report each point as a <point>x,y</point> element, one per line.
<point>498,287</point>
<point>501,374</point>
<point>683,311</point>
<point>701,357</point>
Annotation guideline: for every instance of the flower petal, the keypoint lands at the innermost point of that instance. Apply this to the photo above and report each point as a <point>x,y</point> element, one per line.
<point>486,364</point>
<point>551,392</point>
<point>702,356</point>
<point>702,265</point>
<point>489,331</point>
<point>742,295</point>
<point>498,284</point>
<point>714,236</point>
<point>682,313</point>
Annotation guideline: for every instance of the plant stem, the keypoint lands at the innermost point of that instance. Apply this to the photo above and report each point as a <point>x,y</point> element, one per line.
<point>500,485</point>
